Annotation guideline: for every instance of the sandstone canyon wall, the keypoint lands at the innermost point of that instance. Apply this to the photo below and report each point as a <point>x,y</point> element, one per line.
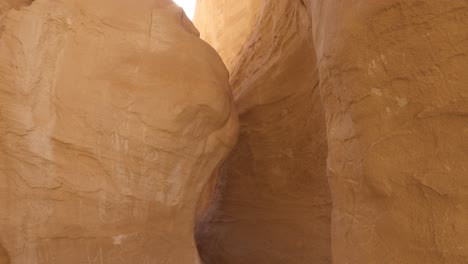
<point>393,82</point>
<point>226,25</point>
<point>113,116</point>
<point>272,203</point>
<point>395,88</point>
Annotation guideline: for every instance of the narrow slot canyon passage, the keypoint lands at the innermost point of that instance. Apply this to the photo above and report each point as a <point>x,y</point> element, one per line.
<point>233,132</point>
<point>352,141</point>
<point>272,203</point>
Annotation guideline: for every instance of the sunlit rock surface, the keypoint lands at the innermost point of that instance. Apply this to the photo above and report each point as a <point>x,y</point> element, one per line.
<point>393,84</point>
<point>395,88</point>
<point>226,25</point>
<point>113,117</point>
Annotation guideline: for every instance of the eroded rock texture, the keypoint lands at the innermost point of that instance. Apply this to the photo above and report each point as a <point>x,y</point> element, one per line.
<point>395,88</point>
<point>393,82</point>
<point>272,203</point>
<point>113,116</point>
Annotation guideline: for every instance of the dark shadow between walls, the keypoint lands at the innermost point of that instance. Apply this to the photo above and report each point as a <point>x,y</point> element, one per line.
<point>272,203</point>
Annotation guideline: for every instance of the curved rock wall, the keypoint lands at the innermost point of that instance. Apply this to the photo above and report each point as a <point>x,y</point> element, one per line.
<point>392,76</point>
<point>113,117</point>
<point>272,203</point>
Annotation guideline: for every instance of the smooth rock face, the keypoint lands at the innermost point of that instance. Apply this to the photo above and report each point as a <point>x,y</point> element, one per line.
<point>393,85</point>
<point>272,204</point>
<point>113,117</point>
<point>226,25</point>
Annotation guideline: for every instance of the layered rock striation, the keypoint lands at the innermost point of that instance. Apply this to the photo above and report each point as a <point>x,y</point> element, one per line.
<point>392,80</point>
<point>113,117</point>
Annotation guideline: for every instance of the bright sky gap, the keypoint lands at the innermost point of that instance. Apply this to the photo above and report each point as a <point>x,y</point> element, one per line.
<point>188,6</point>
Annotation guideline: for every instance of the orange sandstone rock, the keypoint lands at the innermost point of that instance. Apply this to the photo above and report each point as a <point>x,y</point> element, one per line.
<point>113,117</point>
<point>226,25</point>
<point>272,204</point>
<point>393,84</point>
